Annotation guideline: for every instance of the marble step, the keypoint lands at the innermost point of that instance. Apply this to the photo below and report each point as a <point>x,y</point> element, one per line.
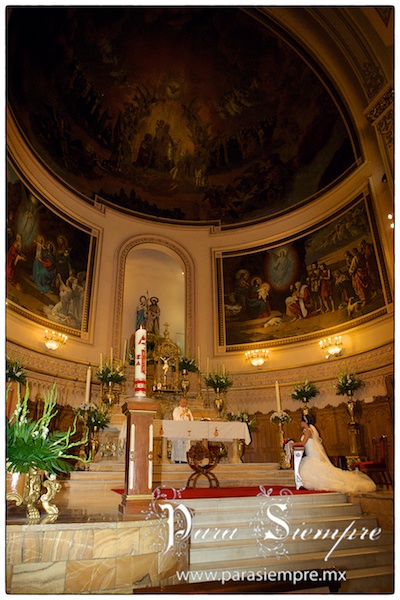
<point>176,476</point>
<point>361,581</point>
<point>245,530</point>
<point>317,512</point>
<point>347,559</point>
<point>239,549</point>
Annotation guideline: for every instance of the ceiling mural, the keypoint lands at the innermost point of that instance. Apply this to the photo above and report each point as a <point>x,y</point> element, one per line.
<point>189,114</point>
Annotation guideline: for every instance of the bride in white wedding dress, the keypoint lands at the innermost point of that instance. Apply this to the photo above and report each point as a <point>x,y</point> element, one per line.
<point>318,473</point>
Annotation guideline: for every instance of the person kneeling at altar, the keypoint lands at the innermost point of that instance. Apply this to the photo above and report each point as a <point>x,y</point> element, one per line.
<point>318,473</point>
<point>180,446</point>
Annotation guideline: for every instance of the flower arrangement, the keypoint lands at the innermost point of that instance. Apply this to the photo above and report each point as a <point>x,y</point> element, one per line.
<point>305,391</point>
<point>31,445</point>
<point>280,417</point>
<point>92,416</point>
<point>188,364</point>
<point>15,371</point>
<point>109,373</point>
<point>347,383</point>
<point>218,382</point>
<point>244,417</point>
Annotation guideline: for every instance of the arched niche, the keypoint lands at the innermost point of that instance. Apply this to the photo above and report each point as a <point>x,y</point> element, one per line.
<point>158,267</point>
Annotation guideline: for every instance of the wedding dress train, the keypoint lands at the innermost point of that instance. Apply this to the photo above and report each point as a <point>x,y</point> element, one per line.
<point>318,473</point>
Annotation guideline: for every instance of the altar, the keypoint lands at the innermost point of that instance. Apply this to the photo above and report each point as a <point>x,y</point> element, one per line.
<point>209,431</point>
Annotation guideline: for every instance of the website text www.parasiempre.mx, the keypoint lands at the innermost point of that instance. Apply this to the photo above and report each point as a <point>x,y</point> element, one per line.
<point>294,577</point>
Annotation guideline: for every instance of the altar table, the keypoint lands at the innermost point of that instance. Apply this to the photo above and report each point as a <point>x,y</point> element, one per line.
<point>212,431</point>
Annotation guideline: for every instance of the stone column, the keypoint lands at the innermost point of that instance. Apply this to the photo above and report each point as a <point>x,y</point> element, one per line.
<point>140,412</point>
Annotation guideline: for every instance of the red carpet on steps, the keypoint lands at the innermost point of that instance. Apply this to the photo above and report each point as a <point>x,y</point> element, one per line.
<point>228,492</point>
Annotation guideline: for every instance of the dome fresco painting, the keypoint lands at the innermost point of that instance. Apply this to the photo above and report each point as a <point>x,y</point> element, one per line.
<point>186,114</point>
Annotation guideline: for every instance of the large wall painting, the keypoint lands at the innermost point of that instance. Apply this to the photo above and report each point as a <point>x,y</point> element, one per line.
<point>333,277</point>
<point>183,113</point>
<point>49,263</point>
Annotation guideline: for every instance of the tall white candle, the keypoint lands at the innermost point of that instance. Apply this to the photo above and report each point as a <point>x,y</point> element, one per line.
<point>140,361</point>
<point>208,366</point>
<point>223,369</point>
<point>278,397</point>
<point>124,354</point>
<point>111,357</point>
<point>198,358</point>
<point>88,378</point>
<point>101,361</point>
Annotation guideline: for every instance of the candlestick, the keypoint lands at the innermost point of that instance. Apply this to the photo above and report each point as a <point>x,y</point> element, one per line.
<point>88,378</point>
<point>278,397</point>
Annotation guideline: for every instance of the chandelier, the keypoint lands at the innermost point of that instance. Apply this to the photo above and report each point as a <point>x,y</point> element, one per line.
<point>332,346</point>
<point>256,357</point>
<point>54,340</point>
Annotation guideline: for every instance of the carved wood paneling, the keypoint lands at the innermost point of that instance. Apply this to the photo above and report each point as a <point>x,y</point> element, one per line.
<point>374,418</point>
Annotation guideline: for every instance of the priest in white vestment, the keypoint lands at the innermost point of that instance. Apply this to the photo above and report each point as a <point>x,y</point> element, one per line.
<point>181,446</point>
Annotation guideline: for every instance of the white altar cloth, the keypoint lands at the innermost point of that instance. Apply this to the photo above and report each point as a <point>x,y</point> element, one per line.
<point>219,431</point>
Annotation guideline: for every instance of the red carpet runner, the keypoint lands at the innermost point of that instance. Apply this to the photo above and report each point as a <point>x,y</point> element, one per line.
<point>228,492</point>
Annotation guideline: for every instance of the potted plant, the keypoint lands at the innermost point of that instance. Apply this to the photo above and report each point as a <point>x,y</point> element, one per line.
<point>218,382</point>
<point>305,391</point>
<point>15,376</point>
<point>15,371</point>
<point>188,364</point>
<point>92,416</point>
<point>280,417</point>
<point>347,384</point>
<point>36,451</point>
<point>95,418</point>
<point>110,374</point>
<point>244,417</point>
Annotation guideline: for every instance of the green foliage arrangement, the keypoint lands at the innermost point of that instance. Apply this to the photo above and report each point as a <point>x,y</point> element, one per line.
<point>244,417</point>
<point>280,417</point>
<point>31,444</point>
<point>347,383</point>
<point>219,382</point>
<point>305,391</point>
<point>15,371</point>
<point>111,374</point>
<point>189,364</point>
<point>92,415</point>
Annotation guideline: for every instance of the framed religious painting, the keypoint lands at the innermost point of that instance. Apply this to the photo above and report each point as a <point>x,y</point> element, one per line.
<point>331,277</point>
<point>50,259</point>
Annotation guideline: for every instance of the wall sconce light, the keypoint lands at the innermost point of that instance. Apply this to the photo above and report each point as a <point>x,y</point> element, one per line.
<point>256,357</point>
<point>391,219</point>
<point>332,346</point>
<point>54,340</point>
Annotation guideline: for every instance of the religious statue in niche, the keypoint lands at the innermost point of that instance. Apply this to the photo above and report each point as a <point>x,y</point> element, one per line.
<point>148,314</point>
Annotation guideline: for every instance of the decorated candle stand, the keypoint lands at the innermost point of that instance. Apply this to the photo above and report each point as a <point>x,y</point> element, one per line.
<point>140,412</point>
<point>220,383</point>
<point>346,385</point>
<point>111,375</point>
<point>280,417</point>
